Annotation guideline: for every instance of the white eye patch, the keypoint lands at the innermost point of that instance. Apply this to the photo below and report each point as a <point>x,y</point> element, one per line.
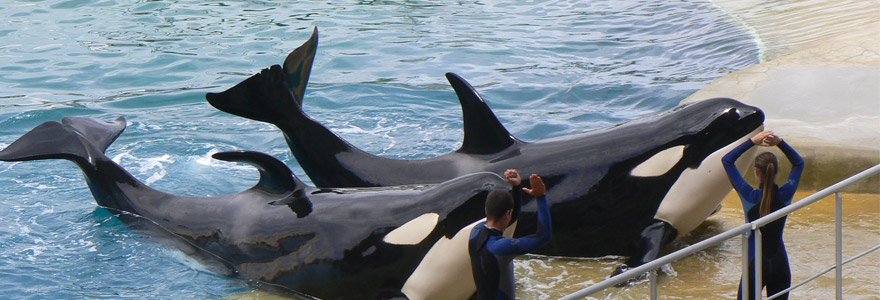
<point>660,163</point>
<point>414,231</point>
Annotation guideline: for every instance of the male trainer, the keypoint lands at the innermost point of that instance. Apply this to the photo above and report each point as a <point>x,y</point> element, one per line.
<point>491,253</point>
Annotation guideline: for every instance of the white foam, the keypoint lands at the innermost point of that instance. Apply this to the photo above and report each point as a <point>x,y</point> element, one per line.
<point>156,162</point>
<point>148,165</point>
<point>207,159</point>
<point>668,270</point>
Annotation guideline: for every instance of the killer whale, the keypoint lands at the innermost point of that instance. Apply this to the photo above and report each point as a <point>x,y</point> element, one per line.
<point>327,243</point>
<point>627,189</point>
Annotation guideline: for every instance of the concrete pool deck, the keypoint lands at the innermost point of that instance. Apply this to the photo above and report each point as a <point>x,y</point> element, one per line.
<point>818,84</point>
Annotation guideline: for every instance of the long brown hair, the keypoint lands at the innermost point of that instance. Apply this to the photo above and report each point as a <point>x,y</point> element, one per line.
<point>767,163</point>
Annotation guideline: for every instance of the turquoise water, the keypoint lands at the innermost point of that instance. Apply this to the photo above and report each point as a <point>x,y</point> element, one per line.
<point>547,69</point>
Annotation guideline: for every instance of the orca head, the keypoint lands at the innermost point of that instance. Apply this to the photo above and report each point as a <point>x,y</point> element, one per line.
<point>264,96</point>
<point>724,121</point>
<point>711,129</point>
<point>703,128</point>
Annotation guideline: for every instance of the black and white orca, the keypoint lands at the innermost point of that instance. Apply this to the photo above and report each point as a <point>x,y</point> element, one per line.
<point>627,189</point>
<point>367,243</point>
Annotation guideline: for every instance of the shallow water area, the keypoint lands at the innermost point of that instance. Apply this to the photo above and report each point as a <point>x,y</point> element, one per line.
<point>714,272</point>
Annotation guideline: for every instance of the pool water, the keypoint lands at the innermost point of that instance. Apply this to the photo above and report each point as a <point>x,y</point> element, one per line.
<point>546,68</point>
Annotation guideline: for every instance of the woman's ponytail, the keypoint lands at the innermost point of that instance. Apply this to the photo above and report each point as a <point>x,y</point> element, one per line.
<point>767,163</point>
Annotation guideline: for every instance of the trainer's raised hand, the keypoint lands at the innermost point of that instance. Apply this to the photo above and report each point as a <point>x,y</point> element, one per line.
<point>766,138</point>
<point>512,176</point>
<point>538,189</point>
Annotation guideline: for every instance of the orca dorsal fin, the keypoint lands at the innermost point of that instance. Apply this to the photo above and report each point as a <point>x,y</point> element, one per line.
<point>99,132</point>
<point>483,133</point>
<point>298,66</point>
<point>275,177</point>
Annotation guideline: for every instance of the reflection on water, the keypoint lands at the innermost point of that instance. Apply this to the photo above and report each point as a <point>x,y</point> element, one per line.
<point>714,272</point>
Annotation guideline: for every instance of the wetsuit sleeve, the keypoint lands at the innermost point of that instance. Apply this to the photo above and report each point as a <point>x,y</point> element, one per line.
<point>516,192</point>
<point>522,245</point>
<point>739,183</point>
<point>794,177</point>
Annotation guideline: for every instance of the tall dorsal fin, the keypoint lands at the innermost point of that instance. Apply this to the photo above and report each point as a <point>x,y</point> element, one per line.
<point>483,133</point>
<point>275,177</point>
<point>298,66</point>
<point>99,132</point>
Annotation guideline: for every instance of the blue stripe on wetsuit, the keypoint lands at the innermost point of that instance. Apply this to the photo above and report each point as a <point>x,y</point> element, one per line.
<point>500,245</point>
<point>776,270</point>
<point>492,254</point>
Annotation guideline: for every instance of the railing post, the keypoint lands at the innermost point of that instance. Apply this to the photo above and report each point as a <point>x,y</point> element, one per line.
<point>838,251</point>
<point>744,282</point>
<point>653,275</point>
<point>759,259</point>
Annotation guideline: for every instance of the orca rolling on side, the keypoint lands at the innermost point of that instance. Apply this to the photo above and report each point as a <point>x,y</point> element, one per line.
<point>327,243</point>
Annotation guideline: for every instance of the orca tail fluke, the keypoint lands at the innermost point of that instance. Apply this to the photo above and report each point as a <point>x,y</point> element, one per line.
<point>75,139</point>
<point>651,241</point>
<point>298,67</point>
<point>276,93</point>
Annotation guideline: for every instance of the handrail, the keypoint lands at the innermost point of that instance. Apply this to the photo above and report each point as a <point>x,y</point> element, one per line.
<point>825,271</point>
<point>816,196</point>
<point>657,263</point>
<point>724,236</point>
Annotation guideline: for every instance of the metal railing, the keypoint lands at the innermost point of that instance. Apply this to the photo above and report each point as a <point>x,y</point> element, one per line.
<point>743,230</point>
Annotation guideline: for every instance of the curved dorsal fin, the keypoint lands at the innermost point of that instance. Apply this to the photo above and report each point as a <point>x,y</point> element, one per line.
<point>275,177</point>
<point>298,66</point>
<point>483,133</point>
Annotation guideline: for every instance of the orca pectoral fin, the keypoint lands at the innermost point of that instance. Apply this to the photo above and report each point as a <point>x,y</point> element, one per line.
<point>298,66</point>
<point>651,241</point>
<point>483,133</point>
<point>275,177</point>
<point>298,202</point>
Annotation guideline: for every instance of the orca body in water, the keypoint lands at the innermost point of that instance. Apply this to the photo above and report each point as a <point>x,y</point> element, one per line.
<point>371,243</point>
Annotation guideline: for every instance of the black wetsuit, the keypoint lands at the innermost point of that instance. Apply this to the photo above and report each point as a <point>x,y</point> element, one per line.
<point>775,271</point>
<point>492,254</point>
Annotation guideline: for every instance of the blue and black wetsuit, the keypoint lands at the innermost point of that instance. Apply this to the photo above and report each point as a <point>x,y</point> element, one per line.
<point>776,273</point>
<point>492,254</point>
